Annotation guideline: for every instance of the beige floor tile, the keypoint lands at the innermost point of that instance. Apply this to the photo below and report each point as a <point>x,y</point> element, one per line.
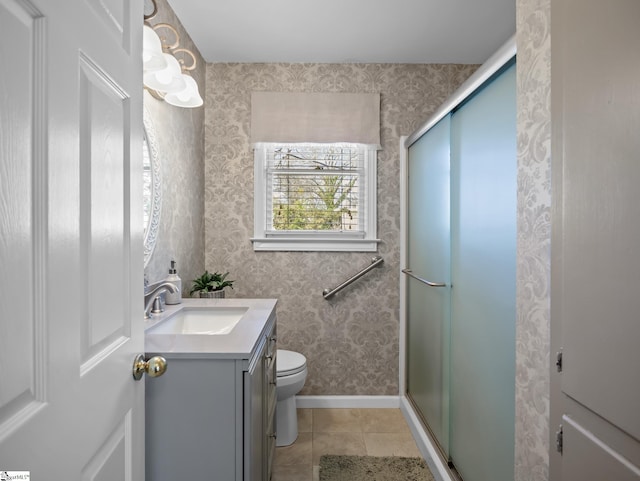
<point>390,444</point>
<point>298,453</point>
<point>336,420</point>
<point>337,443</point>
<point>383,421</point>
<point>305,417</point>
<point>292,473</point>
<point>376,432</point>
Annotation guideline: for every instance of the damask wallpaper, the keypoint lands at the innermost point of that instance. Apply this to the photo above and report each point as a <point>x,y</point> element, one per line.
<point>351,342</point>
<point>534,240</point>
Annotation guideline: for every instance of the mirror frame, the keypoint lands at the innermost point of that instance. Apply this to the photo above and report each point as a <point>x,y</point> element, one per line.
<point>152,228</point>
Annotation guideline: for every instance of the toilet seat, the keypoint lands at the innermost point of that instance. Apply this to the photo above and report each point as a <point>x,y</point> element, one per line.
<point>289,363</point>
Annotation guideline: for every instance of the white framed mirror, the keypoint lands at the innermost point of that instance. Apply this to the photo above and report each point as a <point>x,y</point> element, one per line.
<point>152,187</point>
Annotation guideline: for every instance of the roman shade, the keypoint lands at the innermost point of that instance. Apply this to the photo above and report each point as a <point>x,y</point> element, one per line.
<point>297,117</point>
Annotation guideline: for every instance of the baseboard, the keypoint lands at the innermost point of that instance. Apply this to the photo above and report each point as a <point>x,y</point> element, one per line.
<point>439,470</point>
<point>353,402</point>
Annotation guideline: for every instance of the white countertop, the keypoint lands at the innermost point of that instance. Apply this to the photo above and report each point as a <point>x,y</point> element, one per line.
<point>238,344</point>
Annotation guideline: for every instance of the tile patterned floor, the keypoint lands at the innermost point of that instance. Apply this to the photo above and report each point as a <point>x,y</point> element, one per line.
<point>374,432</point>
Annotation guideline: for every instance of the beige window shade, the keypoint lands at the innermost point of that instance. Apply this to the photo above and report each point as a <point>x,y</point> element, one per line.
<point>295,117</point>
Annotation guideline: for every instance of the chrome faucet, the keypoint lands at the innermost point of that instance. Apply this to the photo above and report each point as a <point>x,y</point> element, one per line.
<point>154,291</point>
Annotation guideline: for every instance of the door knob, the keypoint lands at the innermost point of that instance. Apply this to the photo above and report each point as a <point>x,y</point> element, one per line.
<point>154,367</point>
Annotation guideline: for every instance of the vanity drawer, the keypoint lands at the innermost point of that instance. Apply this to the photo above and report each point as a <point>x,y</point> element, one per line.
<point>270,445</point>
<point>272,343</point>
<point>269,402</point>
<point>271,372</point>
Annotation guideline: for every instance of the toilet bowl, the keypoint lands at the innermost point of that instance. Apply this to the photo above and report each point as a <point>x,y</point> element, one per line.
<point>291,370</point>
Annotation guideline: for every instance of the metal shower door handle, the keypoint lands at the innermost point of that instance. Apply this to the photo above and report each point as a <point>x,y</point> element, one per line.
<point>410,273</point>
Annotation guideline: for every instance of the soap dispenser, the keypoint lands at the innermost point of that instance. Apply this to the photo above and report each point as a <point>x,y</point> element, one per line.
<point>171,297</point>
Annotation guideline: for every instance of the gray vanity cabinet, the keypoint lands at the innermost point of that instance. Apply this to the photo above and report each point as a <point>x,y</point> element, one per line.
<point>212,418</point>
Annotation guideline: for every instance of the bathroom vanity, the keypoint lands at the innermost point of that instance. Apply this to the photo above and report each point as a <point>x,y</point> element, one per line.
<point>211,416</point>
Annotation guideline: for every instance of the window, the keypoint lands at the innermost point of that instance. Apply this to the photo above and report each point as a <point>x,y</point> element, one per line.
<point>315,197</point>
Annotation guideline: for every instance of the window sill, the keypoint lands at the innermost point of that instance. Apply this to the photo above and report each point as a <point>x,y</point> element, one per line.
<point>316,245</point>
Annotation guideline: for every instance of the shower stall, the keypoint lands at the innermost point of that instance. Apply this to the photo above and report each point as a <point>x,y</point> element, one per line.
<point>458,303</point>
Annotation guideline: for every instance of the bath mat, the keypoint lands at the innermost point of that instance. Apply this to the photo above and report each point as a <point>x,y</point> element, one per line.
<point>373,468</point>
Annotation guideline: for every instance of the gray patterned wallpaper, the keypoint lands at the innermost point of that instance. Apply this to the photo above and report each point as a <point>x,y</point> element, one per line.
<point>351,342</point>
<point>534,240</point>
<point>180,136</point>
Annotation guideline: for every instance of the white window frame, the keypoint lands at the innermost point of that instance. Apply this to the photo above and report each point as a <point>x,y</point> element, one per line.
<point>314,241</point>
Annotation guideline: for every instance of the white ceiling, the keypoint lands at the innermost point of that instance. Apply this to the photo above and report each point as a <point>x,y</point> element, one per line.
<point>347,31</point>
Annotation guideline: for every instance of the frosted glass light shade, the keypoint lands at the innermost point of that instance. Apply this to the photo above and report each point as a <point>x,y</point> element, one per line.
<point>189,97</point>
<point>152,56</point>
<point>167,80</point>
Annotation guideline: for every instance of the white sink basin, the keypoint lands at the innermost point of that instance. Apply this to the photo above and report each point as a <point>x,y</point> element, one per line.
<point>212,321</point>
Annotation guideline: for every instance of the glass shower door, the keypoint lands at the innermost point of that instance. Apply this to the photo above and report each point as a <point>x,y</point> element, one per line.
<point>483,254</point>
<point>428,247</point>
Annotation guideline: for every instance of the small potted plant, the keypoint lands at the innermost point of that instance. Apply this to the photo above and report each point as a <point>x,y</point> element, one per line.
<point>211,285</point>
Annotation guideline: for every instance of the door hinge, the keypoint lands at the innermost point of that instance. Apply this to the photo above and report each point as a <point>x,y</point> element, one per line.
<point>559,440</point>
<point>559,361</point>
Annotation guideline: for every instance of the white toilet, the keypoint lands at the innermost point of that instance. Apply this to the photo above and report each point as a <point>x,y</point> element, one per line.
<point>292,372</point>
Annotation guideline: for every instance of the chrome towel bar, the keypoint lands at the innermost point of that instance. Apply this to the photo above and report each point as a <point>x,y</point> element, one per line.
<point>375,262</point>
<point>410,273</point>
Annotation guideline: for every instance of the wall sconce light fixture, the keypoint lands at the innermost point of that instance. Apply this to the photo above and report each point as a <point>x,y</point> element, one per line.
<point>166,66</point>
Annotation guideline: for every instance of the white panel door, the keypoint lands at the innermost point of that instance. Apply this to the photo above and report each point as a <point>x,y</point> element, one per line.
<point>71,239</point>
<point>595,303</point>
